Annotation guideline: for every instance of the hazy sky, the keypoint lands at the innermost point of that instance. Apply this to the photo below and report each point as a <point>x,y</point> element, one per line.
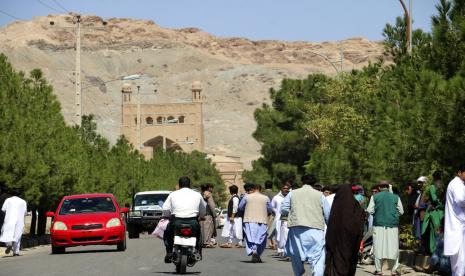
<point>308,20</point>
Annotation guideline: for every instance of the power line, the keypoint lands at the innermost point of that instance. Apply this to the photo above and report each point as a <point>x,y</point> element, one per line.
<point>12,16</point>
<point>48,6</point>
<point>61,6</point>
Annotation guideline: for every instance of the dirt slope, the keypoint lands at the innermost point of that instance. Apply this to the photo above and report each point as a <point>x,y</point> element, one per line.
<point>236,72</point>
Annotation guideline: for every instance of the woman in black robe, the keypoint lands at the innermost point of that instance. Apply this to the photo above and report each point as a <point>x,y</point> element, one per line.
<point>344,233</point>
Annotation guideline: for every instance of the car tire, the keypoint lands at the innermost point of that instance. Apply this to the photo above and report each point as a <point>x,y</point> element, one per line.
<point>58,249</point>
<point>133,232</point>
<point>121,246</point>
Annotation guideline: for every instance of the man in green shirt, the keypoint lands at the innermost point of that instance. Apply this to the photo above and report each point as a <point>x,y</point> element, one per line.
<point>386,208</point>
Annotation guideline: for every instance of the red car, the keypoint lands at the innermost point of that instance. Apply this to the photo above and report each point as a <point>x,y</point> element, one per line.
<point>87,219</point>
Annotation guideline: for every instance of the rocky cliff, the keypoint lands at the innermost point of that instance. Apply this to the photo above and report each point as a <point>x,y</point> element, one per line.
<point>236,72</point>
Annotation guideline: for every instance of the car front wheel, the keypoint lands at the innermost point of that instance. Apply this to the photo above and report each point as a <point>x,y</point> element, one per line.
<point>121,246</point>
<point>58,249</point>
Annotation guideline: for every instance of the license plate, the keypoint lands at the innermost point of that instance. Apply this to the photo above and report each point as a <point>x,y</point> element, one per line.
<point>178,240</point>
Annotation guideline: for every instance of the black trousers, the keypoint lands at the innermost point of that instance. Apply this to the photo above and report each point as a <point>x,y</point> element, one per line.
<point>168,235</point>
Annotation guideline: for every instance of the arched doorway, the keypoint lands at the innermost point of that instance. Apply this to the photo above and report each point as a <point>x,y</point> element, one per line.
<point>157,142</point>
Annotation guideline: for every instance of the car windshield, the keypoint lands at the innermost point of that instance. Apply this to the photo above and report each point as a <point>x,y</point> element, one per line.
<point>87,205</point>
<point>150,199</point>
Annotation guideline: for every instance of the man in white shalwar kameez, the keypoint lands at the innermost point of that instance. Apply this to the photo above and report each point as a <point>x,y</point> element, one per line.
<point>232,228</point>
<point>15,209</point>
<point>281,226</point>
<point>454,227</point>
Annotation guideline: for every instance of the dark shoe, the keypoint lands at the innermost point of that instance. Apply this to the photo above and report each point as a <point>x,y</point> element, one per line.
<point>168,258</point>
<point>15,254</point>
<point>255,258</point>
<point>8,249</point>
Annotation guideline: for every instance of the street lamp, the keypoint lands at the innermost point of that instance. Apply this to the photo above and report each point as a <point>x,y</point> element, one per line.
<point>325,58</point>
<point>408,18</point>
<point>139,119</point>
<point>164,123</point>
<point>132,77</point>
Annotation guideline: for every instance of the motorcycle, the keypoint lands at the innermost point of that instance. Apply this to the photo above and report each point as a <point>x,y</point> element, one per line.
<point>365,255</point>
<point>185,253</point>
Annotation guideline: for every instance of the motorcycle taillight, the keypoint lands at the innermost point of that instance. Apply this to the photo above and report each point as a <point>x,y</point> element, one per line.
<point>186,231</point>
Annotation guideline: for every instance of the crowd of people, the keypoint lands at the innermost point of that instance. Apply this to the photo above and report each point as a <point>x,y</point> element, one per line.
<point>313,224</point>
<point>324,225</point>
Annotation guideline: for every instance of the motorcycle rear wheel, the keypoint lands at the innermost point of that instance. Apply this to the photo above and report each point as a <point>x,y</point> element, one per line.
<point>181,266</point>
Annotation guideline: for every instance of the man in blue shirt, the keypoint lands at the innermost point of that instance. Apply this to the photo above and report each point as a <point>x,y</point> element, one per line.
<point>307,211</point>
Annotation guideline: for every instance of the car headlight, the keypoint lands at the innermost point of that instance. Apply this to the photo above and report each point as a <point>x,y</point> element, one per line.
<point>114,222</point>
<point>135,214</point>
<point>58,225</point>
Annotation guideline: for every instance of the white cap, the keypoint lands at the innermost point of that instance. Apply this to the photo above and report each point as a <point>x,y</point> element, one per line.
<point>422,179</point>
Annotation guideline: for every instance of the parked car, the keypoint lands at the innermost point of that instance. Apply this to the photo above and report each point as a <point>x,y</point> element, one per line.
<point>87,219</point>
<point>221,218</point>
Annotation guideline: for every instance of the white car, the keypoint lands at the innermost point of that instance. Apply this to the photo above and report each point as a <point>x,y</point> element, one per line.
<point>146,212</point>
<point>221,218</point>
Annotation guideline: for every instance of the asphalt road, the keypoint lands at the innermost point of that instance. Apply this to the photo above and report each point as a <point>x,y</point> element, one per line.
<point>143,256</point>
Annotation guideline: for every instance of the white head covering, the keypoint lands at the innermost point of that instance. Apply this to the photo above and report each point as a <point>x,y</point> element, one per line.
<point>422,179</point>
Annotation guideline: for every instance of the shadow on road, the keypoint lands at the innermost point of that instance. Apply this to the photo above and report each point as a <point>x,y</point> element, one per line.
<point>10,256</point>
<point>89,251</point>
<point>250,262</point>
<point>172,272</point>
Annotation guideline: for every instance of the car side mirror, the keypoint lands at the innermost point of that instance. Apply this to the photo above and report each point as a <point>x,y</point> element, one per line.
<point>50,214</point>
<point>124,210</point>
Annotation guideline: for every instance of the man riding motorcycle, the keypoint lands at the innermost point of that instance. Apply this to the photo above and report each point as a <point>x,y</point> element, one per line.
<point>184,206</point>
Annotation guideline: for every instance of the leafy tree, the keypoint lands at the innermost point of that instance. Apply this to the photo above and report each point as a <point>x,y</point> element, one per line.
<point>47,159</point>
<point>395,121</point>
<point>259,173</point>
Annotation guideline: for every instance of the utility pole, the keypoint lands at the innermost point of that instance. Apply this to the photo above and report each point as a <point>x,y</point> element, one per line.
<point>77,73</point>
<point>410,26</point>
<point>138,119</point>
<point>77,19</point>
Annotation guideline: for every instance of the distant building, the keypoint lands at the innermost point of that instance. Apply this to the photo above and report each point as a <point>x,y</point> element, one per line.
<point>176,126</point>
<point>230,168</point>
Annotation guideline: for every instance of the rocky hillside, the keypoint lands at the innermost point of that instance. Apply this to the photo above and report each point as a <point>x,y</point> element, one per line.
<point>236,72</point>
